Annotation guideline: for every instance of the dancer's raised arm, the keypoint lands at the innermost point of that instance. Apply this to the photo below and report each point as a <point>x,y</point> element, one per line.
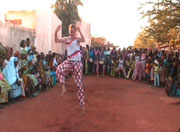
<point>81,38</point>
<point>59,40</point>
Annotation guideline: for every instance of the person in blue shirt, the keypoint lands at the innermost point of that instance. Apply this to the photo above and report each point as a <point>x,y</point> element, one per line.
<point>91,60</point>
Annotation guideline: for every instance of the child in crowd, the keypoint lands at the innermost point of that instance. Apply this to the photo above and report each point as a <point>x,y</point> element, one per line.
<point>156,74</point>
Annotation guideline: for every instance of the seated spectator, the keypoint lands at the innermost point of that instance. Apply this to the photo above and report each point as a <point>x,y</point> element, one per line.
<point>12,75</point>
<point>4,85</point>
<point>54,76</point>
<point>30,80</point>
<point>40,69</point>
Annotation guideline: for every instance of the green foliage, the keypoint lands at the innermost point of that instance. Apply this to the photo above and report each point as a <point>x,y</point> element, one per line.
<point>67,12</point>
<point>164,20</point>
<point>101,42</point>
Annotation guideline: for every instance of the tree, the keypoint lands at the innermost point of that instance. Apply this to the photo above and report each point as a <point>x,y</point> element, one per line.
<point>141,40</point>
<point>144,41</point>
<point>100,41</point>
<point>164,19</point>
<point>67,12</point>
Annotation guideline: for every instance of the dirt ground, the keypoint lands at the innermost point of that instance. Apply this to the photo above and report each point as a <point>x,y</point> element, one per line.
<point>113,105</point>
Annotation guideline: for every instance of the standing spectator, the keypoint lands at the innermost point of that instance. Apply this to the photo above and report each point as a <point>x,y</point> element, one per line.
<point>101,62</point>
<point>96,60</point>
<point>143,63</point>
<point>121,67</point>
<point>148,71</point>
<point>137,71</point>
<point>108,62</point>
<point>91,60</point>
<point>156,74</point>
<point>86,58</point>
<point>131,68</point>
<point>114,60</point>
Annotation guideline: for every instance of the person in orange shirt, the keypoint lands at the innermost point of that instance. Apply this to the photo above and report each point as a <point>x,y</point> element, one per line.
<point>148,71</point>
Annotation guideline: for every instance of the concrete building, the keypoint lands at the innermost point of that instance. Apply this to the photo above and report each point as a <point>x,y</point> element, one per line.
<point>11,34</point>
<point>42,25</point>
<point>86,30</point>
<point>22,18</point>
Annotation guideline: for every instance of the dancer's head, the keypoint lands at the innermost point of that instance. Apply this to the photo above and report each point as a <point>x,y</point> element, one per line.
<point>72,30</point>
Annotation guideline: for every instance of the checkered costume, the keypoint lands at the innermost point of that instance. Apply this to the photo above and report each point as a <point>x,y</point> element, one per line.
<point>73,66</point>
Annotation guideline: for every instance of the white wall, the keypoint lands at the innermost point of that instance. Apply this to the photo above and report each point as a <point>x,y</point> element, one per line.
<point>43,37</point>
<point>86,30</point>
<point>11,35</point>
<point>47,22</point>
<point>56,47</point>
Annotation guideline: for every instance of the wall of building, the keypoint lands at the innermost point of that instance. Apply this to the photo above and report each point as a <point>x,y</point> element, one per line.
<point>86,30</point>
<point>56,47</point>
<point>28,18</point>
<point>40,27</point>
<point>11,35</point>
<point>47,22</point>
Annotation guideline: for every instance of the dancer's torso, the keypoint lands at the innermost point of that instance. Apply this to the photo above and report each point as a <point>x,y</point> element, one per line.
<point>73,49</point>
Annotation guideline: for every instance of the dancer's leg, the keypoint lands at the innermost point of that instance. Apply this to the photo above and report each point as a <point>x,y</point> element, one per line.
<point>77,74</point>
<point>62,71</point>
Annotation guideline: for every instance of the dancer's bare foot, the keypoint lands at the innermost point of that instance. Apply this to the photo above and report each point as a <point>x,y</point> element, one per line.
<point>82,109</point>
<point>63,90</point>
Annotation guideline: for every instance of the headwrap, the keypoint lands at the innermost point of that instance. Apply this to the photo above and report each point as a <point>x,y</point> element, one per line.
<point>10,71</point>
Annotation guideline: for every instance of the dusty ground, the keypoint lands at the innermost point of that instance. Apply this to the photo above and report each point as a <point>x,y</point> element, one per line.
<point>113,105</point>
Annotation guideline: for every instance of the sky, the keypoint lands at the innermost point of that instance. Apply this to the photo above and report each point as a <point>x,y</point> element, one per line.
<point>116,20</point>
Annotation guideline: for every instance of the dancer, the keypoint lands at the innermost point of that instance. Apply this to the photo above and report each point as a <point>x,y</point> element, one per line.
<point>73,64</point>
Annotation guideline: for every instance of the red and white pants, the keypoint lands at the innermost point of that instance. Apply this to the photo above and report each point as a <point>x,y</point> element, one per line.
<point>76,69</point>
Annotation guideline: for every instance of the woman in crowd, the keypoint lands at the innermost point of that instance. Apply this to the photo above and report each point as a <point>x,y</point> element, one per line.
<point>30,80</point>
<point>138,70</point>
<point>4,85</point>
<point>12,75</point>
<point>121,67</point>
<point>40,70</point>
